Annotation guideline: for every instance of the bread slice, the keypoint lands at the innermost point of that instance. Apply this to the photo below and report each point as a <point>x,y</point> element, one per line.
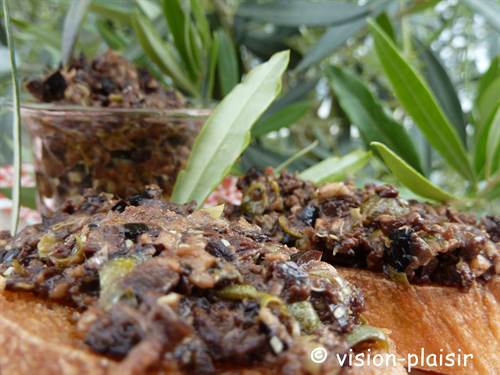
<point>435,318</point>
<point>39,337</point>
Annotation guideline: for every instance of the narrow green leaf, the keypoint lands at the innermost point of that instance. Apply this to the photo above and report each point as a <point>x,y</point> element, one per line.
<point>281,118</point>
<point>367,113</point>
<point>226,133</point>
<point>228,70</point>
<point>442,88</point>
<point>36,33</point>
<point>113,39</point>
<point>488,101</point>
<point>489,9</point>
<point>410,177</point>
<point>261,43</point>
<point>481,146</point>
<point>212,67</point>
<point>385,24</point>
<point>113,9</point>
<point>194,48</point>
<point>27,198</point>
<point>201,22</point>
<point>489,76</point>
<point>16,121</point>
<point>418,6</point>
<point>259,157</point>
<point>420,104</point>
<point>161,53</point>
<point>179,26</point>
<point>302,12</point>
<point>336,168</point>
<point>150,8</point>
<point>482,120</point>
<point>336,36</point>
<point>294,94</point>
<point>72,22</point>
<point>493,145</point>
<point>299,154</point>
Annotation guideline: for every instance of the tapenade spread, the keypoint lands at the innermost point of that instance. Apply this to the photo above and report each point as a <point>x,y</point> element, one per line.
<point>157,282</point>
<point>373,228</point>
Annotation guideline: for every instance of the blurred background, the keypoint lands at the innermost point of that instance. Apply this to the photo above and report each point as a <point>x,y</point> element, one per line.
<point>333,83</point>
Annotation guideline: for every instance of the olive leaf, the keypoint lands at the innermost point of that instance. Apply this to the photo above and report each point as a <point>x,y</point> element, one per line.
<point>487,102</point>
<point>367,113</point>
<point>227,68</point>
<point>418,101</point>
<point>282,118</point>
<point>209,82</point>
<point>493,145</point>
<point>336,168</point>
<point>118,10</point>
<point>488,77</point>
<point>337,35</point>
<point>72,22</point>
<point>201,22</point>
<point>16,121</point>
<point>226,133</point>
<point>302,12</point>
<point>385,24</point>
<point>409,177</point>
<point>114,39</point>
<point>161,53</point>
<point>179,25</point>
<point>483,143</point>
<point>442,87</point>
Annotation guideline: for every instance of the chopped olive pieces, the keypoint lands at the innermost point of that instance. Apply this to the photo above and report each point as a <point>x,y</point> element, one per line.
<point>373,228</point>
<point>160,282</point>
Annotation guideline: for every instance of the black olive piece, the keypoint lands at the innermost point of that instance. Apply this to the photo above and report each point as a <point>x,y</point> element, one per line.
<point>399,253</point>
<point>107,86</point>
<point>120,206</point>
<point>288,240</point>
<point>10,255</point>
<point>114,336</point>
<point>132,230</point>
<point>217,248</point>
<point>136,200</point>
<point>121,154</point>
<point>309,214</point>
<point>48,90</point>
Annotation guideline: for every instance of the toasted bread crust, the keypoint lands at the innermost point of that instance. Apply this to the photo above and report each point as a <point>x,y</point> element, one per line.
<point>38,337</point>
<point>436,317</point>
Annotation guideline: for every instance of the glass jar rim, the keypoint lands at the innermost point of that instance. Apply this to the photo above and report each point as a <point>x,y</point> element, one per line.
<point>65,110</point>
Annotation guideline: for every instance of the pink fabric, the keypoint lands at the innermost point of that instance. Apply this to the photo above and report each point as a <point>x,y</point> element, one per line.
<point>27,215</point>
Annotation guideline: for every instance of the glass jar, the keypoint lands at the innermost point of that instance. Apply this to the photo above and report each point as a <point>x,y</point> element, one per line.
<point>113,150</point>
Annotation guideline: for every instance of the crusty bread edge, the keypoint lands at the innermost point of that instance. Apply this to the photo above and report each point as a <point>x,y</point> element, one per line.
<point>435,317</point>
<point>38,337</point>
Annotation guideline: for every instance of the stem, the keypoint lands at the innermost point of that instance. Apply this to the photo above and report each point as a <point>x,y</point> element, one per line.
<point>295,156</point>
<point>406,31</point>
<point>16,122</point>
<point>492,183</point>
